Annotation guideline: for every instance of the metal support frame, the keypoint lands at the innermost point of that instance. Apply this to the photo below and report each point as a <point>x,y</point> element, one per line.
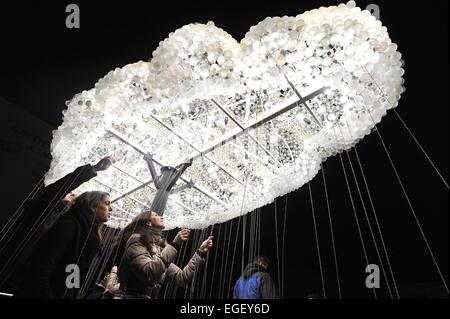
<point>143,184</point>
<point>122,210</point>
<point>254,156</point>
<point>116,190</point>
<point>300,97</point>
<point>195,148</point>
<point>181,188</point>
<point>242,128</point>
<point>143,152</point>
<point>267,116</point>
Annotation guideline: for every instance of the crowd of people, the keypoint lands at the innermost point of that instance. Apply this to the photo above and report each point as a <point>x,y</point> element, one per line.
<point>58,230</point>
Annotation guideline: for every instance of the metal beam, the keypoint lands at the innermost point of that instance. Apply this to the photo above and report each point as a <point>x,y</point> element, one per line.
<point>251,98</point>
<point>287,105</point>
<point>267,116</point>
<point>122,210</point>
<point>143,184</point>
<point>242,128</point>
<point>254,156</point>
<point>118,168</point>
<point>116,190</point>
<point>300,97</point>
<point>305,103</point>
<point>143,152</point>
<point>195,148</point>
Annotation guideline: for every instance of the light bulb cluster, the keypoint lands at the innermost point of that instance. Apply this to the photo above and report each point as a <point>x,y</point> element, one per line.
<point>171,107</point>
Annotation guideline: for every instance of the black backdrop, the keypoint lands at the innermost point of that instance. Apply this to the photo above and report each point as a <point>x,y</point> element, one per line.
<point>43,64</point>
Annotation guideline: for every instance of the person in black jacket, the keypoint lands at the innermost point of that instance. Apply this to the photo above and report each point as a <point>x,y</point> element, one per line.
<point>36,218</point>
<point>63,257</point>
<point>255,282</point>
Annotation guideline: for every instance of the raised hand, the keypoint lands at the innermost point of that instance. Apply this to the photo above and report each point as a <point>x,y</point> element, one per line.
<point>103,164</point>
<point>207,244</point>
<point>182,236</point>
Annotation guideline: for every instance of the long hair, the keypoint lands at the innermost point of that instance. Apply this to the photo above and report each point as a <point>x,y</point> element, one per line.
<point>86,206</point>
<point>139,225</point>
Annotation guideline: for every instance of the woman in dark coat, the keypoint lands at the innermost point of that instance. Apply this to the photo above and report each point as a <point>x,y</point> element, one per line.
<point>146,259</point>
<point>73,240</point>
<point>38,215</point>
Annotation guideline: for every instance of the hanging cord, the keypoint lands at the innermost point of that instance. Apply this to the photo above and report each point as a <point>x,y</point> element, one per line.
<point>79,257</point>
<point>109,236</point>
<point>189,288</point>
<point>244,226</point>
<point>223,258</point>
<point>317,240</point>
<point>405,193</point>
<point>254,234</point>
<point>39,221</point>
<point>250,238</point>
<point>234,254</point>
<point>21,207</point>
<point>368,223</point>
<point>407,128</point>
<point>215,262</point>
<point>226,258</point>
<point>184,248</point>
<point>278,249</point>
<point>168,284</point>
<point>21,246</point>
<point>366,215</point>
<point>201,238</point>
<point>205,273</point>
<point>200,284</point>
<point>283,245</point>
<point>421,148</point>
<point>180,258</point>
<point>332,232</point>
<point>408,200</point>
<point>259,231</point>
<point>413,211</point>
<point>194,234</point>
<point>354,212</point>
<point>377,223</point>
<point>95,266</point>
<point>124,250</point>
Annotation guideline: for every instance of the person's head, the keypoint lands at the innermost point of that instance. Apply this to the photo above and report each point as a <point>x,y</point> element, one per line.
<point>263,262</point>
<point>156,221</point>
<point>96,205</point>
<point>139,225</point>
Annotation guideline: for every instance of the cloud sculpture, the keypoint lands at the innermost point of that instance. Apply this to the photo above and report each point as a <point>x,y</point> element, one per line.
<point>258,117</point>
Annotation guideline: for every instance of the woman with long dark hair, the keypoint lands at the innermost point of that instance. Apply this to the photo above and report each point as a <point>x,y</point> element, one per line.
<point>63,256</point>
<point>145,258</point>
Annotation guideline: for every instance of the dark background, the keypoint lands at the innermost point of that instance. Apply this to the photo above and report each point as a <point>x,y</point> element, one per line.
<point>43,64</point>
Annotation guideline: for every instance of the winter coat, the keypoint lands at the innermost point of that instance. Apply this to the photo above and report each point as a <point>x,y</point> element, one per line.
<point>255,283</point>
<point>72,240</point>
<point>37,217</point>
<point>145,267</point>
